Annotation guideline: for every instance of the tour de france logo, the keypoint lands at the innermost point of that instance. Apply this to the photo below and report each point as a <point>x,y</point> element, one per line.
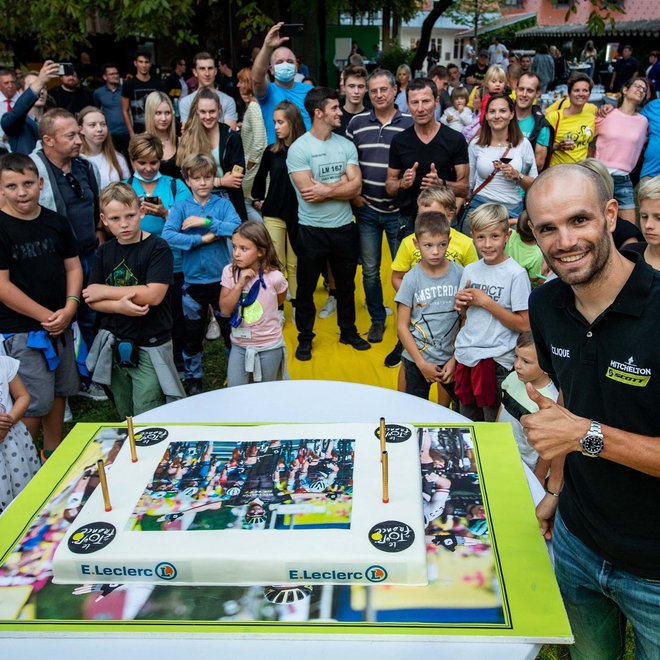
<point>391,536</point>
<point>150,436</point>
<point>91,537</point>
<point>375,573</point>
<point>165,571</point>
<point>395,433</point>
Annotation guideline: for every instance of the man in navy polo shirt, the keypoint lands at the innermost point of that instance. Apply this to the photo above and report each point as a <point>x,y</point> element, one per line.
<point>372,133</point>
<point>595,330</point>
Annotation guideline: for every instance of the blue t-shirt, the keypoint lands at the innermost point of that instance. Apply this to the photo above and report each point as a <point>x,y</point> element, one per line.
<point>651,166</point>
<point>527,126</point>
<point>327,160</point>
<point>276,94</point>
<point>153,223</point>
<point>110,103</point>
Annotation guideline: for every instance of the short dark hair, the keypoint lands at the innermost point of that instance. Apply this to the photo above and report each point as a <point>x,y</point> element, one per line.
<point>422,83</point>
<point>431,222</point>
<point>530,74</point>
<point>438,71</point>
<point>317,99</point>
<point>109,65</point>
<point>202,55</point>
<point>15,162</point>
<point>451,65</point>
<point>143,53</point>
<point>523,229</point>
<point>577,77</point>
<point>8,72</point>
<point>355,72</point>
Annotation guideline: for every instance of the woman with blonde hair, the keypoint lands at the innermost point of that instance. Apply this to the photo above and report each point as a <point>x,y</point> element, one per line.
<point>159,122</point>
<point>403,77</point>
<point>253,136</point>
<point>97,146</point>
<point>205,134</point>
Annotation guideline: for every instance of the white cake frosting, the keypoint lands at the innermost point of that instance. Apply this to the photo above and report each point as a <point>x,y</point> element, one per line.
<point>311,512</point>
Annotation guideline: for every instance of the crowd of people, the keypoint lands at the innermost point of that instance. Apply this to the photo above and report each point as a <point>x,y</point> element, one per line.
<point>137,219</point>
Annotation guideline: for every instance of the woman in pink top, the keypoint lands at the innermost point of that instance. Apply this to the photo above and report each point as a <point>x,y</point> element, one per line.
<point>620,138</point>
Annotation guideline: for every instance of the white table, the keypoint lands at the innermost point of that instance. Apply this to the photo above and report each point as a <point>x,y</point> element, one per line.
<point>286,401</point>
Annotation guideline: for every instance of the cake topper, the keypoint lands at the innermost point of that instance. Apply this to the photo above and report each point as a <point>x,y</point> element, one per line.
<point>131,439</point>
<point>104,484</point>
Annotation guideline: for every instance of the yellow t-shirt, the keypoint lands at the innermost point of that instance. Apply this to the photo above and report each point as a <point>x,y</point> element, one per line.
<point>563,103</point>
<point>580,128</point>
<point>461,250</point>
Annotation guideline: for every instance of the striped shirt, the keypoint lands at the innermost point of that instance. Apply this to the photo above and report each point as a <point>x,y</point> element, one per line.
<point>373,141</point>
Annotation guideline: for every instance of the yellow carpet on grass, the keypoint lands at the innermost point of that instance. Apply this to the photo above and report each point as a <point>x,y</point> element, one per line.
<point>334,361</point>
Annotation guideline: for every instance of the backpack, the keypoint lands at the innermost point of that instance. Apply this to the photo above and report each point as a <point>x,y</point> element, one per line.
<point>541,122</point>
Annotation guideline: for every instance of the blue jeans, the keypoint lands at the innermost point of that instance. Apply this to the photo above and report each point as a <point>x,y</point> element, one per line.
<point>86,316</point>
<point>371,225</point>
<point>624,192</point>
<point>600,597</point>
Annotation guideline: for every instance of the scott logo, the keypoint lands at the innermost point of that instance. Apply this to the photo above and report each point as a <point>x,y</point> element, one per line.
<point>375,574</point>
<point>165,571</point>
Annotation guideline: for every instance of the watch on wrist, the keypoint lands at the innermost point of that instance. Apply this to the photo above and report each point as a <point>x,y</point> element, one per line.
<point>592,442</point>
<point>521,176</point>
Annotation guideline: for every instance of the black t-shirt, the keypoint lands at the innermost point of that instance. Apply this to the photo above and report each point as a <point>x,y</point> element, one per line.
<point>447,149</point>
<point>345,118</point>
<point>608,371</point>
<point>136,91</point>
<point>146,262</point>
<point>624,231</point>
<point>625,70</point>
<point>476,71</point>
<point>281,201</point>
<point>33,251</point>
<point>73,101</point>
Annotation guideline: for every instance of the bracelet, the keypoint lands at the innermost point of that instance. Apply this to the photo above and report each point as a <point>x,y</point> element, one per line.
<point>207,222</point>
<point>547,490</point>
<point>74,298</point>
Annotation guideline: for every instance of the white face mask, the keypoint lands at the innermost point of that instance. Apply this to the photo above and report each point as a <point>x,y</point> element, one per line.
<point>284,72</point>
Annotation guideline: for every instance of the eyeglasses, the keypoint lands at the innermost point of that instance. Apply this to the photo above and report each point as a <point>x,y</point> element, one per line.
<point>75,184</point>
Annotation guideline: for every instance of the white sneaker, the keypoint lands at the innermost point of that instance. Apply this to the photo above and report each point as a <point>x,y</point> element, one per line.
<point>92,391</point>
<point>329,308</point>
<point>213,329</point>
<point>68,416</point>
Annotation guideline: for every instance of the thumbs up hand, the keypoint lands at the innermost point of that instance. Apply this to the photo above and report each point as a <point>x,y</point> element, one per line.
<point>432,178</point>
<point>553,430</point>
<point>409,176</point>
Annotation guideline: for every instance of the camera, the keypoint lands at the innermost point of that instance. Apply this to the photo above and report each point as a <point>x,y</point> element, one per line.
<point>66,69</point>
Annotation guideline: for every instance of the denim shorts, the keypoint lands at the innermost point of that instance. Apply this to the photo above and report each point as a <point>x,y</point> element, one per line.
<point>623,191</point>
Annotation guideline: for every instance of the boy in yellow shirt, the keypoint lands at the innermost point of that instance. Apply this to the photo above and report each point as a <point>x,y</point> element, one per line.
<point>460,250</point>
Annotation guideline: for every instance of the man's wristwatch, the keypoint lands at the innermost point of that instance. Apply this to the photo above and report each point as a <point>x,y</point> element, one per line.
<point>592,442</point>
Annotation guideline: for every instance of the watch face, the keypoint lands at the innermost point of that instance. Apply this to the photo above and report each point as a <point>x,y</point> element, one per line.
<point>592,444</point>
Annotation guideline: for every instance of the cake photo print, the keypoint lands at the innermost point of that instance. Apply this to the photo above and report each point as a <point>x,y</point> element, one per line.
<point>279,484</point>
<point>488,571</point>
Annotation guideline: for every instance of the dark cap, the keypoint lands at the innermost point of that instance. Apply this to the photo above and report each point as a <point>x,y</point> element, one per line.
<point>483,51</point>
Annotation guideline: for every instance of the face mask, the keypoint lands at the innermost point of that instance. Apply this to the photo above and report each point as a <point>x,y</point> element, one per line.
<point>284,72</point>
<point>139,177</point>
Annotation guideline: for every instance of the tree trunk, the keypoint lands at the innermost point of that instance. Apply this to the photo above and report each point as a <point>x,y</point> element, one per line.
<point>396,24</point>
<point>387,13</point>
<point>321,22</point>
<point>439,8</point>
